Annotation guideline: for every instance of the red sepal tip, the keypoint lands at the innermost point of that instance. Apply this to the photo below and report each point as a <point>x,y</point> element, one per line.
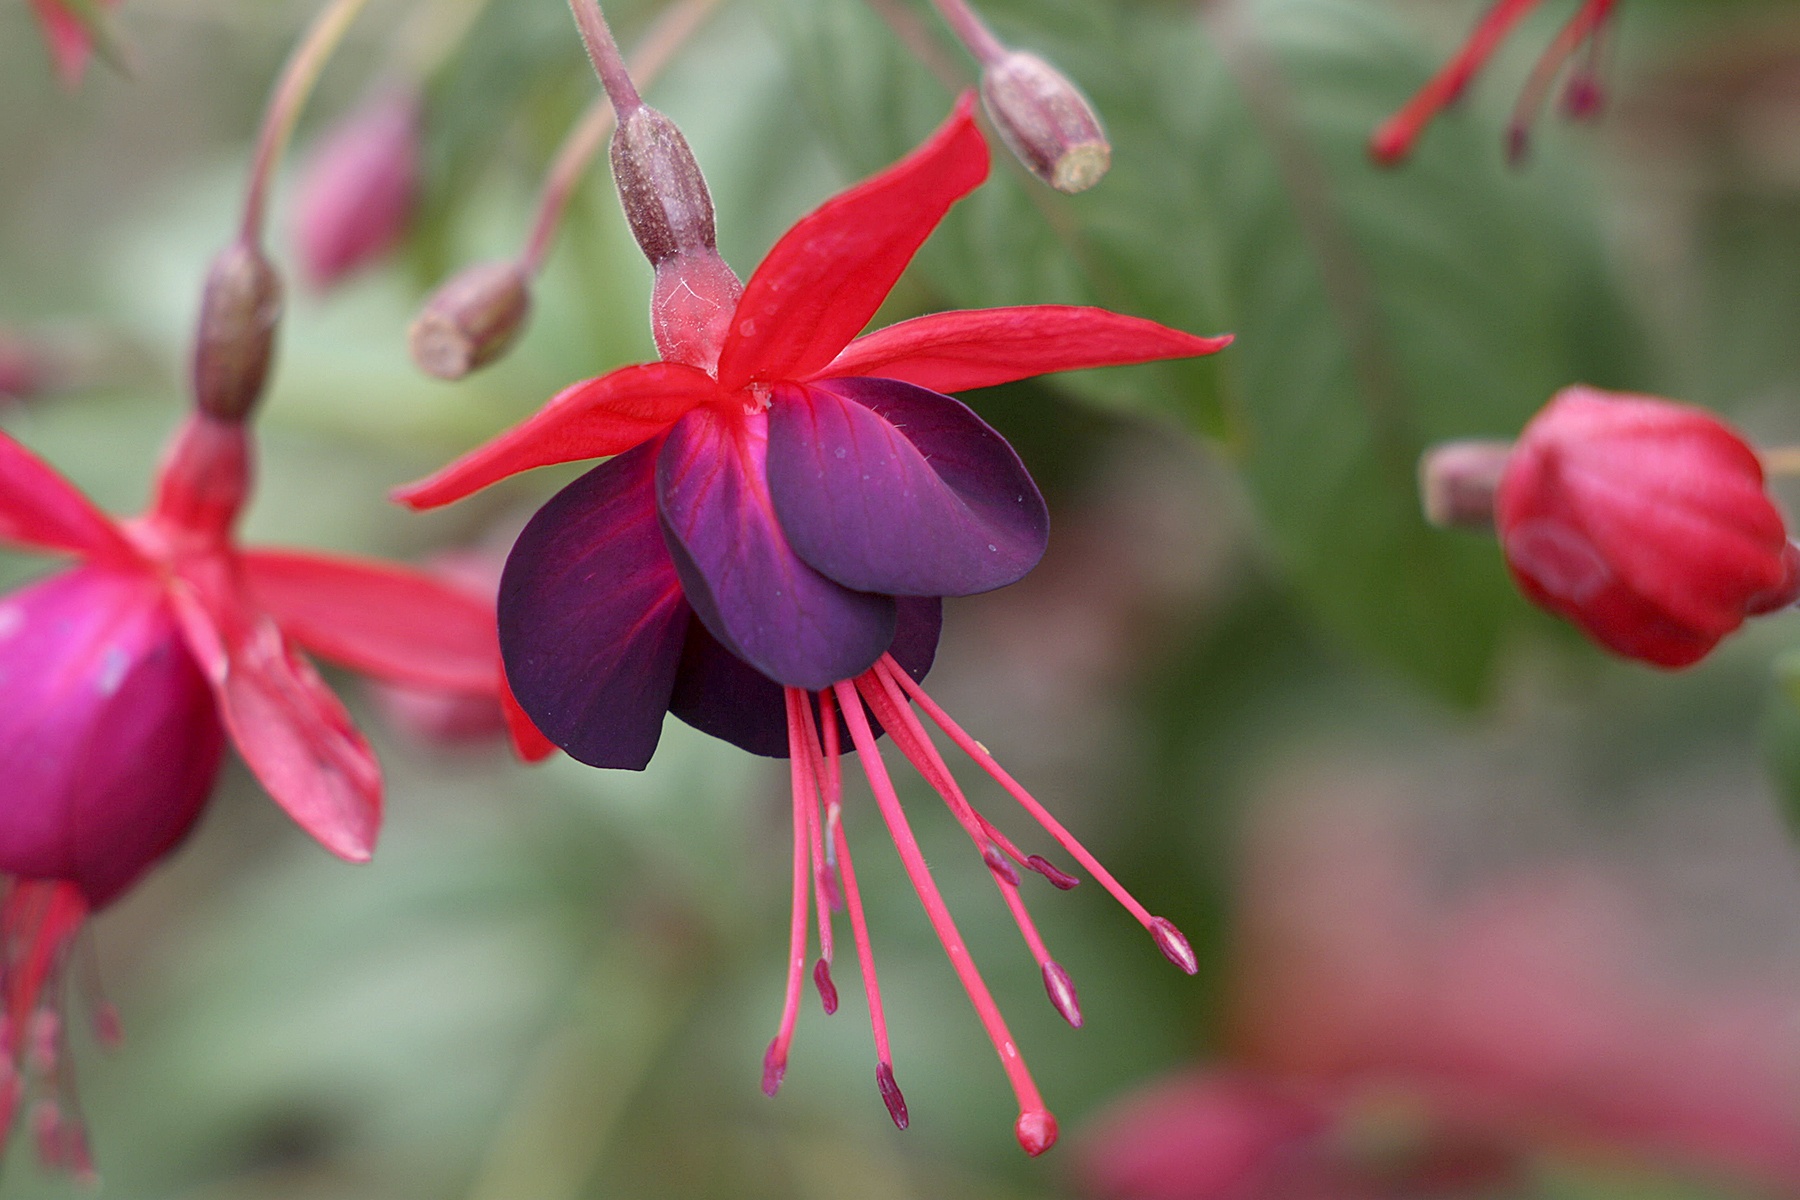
<point>1036,1131</point>
<point>1174,946</point>
<point>890,1094</point>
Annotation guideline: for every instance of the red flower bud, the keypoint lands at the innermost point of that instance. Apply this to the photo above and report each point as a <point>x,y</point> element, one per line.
<point>358,190</point>
<point>1645,523</point>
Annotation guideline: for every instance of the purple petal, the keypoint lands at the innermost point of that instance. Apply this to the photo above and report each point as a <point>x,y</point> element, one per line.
<point>109,739</point>
<point>592,617</point>
<point>718,693</point>
<point>755,595</point>
<point>887,487</point>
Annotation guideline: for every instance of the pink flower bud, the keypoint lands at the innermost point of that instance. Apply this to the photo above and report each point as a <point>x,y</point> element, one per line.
<point>470,320</point>
<point>358,190</point>
<point>1046,121</point>
<point>109,739</point>
<point>234,342</point>
<point>1644,522</point>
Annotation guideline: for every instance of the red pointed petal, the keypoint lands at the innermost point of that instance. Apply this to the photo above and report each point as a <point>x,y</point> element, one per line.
<point>291,730</point>
<point>39,508</point>
<point>528,741</point>
<point>976,348</point>
<point>591,419</point>
<point>384,620</point>
<point>829,273</point>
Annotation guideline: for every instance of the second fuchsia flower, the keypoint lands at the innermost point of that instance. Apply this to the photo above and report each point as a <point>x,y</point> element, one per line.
<point>764,556</point>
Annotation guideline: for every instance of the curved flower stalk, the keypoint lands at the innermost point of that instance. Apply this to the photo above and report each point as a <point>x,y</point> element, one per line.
<point>765,555</point>
<point>1582,93</point>
<point>121,679</point>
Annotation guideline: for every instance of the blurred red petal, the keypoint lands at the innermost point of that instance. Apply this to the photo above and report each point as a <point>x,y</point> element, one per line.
<point>528,741</point>
<point>41,509</point>
<point>396,624</point>
<point>292,731</point>
<point>590,419</point>
<point>827,275</point>
<point>976,348</point>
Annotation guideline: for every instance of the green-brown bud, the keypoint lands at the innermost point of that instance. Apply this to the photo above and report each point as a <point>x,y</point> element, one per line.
<point>471,319</point>
<point>1045,121</point>
<point>660,185</point>
<point>234,344</point>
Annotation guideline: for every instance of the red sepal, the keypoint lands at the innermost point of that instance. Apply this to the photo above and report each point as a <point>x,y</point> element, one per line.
<point>41,509</point>
<point>384,620</point>
<point>976,348</point>
<point>292,731</point>
<point>827,275</point>
<point>528,742</point>
<point>590,419</point>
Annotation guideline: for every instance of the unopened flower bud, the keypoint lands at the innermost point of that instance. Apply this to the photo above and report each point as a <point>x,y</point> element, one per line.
<point>235,342</point>
<point>471,320</point>
<point>1046,121</point>
<point>358,189</point>
<point>1644,522</point>
<point>1457,482</point>
<point>660,185</point>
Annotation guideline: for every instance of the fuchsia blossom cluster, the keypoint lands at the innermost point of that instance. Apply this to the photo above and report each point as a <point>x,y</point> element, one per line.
<point>782,501</point>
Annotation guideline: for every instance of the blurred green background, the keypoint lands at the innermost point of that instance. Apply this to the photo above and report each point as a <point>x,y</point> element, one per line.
<point>558,983</point>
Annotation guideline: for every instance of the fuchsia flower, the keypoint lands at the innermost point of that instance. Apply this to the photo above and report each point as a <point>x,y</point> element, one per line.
<point>1581,94</point>
<point>765,555</point>
<point>69,35</point>
<point>1644,522</point>
<point>120,679</point>
<point>358,189</point>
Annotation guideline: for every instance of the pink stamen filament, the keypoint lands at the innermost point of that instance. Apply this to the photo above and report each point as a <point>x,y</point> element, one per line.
<point>1035,1127</point>
<point>1397,135</point>
<point>826,765</point>
<point>775,1061</point>
<point>1582,27</point>
<point>888,703</point>
<point>1169,939</point>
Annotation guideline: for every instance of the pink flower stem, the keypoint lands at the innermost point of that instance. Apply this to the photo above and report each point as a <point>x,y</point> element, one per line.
<point>1582,27</point>
<point>1168,938</point>
<point>775,1061</point>
<point>288,98</point>
<point>859,924</point>
<point>1397,134</point>
<point>1036,1128</point>
<point>971,31</point>
<point>603,52</point>
<point>671,31</point>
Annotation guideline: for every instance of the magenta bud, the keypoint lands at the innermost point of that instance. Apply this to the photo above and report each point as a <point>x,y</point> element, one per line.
<point>1058,878</point>
<point>660,185</point>
<point>1046,121</point>
<point>890,1094</point>
<point>1062,993</point>
<point>1174,946</point>
<point>828,997</point>
<point>235,341</point>
<point>358,189</point>
<point>471,319</point>
<point>109,737</point>
<point>774,1067</point>
<point>1002,869</point>
<point>1458,482</point>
